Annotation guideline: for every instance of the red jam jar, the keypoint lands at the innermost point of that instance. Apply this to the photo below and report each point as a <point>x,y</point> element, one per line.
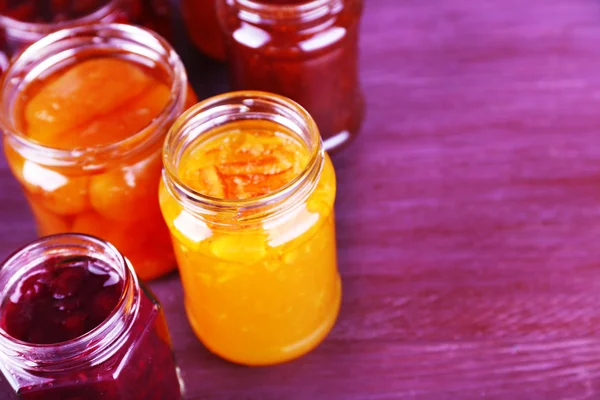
<point>75,323</point>
<point>23,22</point>
<point>304,50</point>
<point>202,25</point>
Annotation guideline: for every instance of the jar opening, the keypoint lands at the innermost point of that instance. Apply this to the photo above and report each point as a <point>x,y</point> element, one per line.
<point>200,123</point>
<point>96,342</point>
<point>66,47</point>
<point>32,29</point>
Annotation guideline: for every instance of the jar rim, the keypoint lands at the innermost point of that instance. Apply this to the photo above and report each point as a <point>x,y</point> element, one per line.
<point>302,11</point>
<point>47,27</point>
<point>210,110</point>
<point>103,339</point>
<point>42,50</point>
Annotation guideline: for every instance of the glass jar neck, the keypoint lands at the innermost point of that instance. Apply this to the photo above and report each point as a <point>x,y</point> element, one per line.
<point>196,126</point>
<point>95,346</point>
<point>64,47</point>
<point>302,13</point>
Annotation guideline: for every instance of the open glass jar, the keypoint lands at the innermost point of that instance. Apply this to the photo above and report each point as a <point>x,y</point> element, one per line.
<point>87,151</point>
<point>306,50</point>
<point>201,21</point>
<point>257,255</point>
<point>23,22</point>
<point>76,324</point>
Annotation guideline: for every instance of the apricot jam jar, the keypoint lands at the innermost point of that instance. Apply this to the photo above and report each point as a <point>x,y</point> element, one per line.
<point>304,50</point>
<point>202,25</point>
<point>75,323</point>
<point>23,22</point>
<point>248,195</point>
<point>84,113</point>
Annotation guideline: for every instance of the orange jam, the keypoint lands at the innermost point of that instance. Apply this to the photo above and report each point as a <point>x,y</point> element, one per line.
<point>89,105</point>
<point>263,292</point>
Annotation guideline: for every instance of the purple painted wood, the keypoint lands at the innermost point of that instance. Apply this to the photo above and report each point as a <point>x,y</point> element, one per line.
<point>468,214</point>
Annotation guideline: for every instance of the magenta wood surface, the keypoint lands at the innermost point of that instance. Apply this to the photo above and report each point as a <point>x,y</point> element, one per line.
<point>468,214</point>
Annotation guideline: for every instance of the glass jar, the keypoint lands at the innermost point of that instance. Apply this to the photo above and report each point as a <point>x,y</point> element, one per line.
<point>24,22</point>
<point>304,50</point>
<point>202,25</point>
<point>259,274</point>
<point>106,190</point>
<point>127,356</point>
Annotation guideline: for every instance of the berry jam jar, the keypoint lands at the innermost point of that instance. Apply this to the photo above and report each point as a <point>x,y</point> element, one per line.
<point>84,113</point>
<point>306,50</point>
<point>75,323</point>
<point>23,22</point>
<point>248,194</point>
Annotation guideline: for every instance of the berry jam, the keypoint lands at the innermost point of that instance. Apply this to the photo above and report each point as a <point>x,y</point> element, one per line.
<point>61,300</point>
<point>83,325</point>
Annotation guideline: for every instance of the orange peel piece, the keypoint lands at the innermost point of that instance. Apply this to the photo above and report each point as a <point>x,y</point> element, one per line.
<point>242,164</point>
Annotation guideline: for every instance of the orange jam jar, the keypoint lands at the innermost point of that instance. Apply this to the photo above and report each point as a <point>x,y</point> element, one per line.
<point>202,25</point>
<point>306,50</point>
<point>84,113</point>
<point>248,194</point>
<point>23,22</point>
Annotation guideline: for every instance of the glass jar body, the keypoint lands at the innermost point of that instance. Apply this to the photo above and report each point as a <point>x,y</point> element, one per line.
<point>117,203</point>
<point>128,356</point>
<point>112,195</point>
<point>202,25</point>
<point>260,287</point>
<point>314,62</point>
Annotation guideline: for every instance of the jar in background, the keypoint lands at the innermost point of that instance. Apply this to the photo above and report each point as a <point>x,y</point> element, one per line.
<point>84,113</point>
<point>76,324</point>
<point>304,50</point>
<point>23,22</point>
<point>202,25</point>
<point>248,194</point>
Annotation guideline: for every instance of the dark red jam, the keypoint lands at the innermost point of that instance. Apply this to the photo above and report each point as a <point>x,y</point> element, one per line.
<point>62,299</point>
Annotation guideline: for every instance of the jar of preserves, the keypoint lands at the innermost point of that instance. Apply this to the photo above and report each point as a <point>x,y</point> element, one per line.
<point>202,25</point>
<point>305,50</point>
<point>84,113</point>
<point>248,193</point>
<point>76,324</point>
<point>23,22</point>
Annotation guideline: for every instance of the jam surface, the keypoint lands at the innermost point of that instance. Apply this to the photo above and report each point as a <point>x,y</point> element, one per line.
<point>249,160</point>
<point>62,299</point>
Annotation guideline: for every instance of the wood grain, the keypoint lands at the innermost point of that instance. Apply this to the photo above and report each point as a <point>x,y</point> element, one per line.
<point>468,214</point>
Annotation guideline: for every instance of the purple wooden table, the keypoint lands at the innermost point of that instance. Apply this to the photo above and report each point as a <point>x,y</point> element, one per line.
<point>468,214</point>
